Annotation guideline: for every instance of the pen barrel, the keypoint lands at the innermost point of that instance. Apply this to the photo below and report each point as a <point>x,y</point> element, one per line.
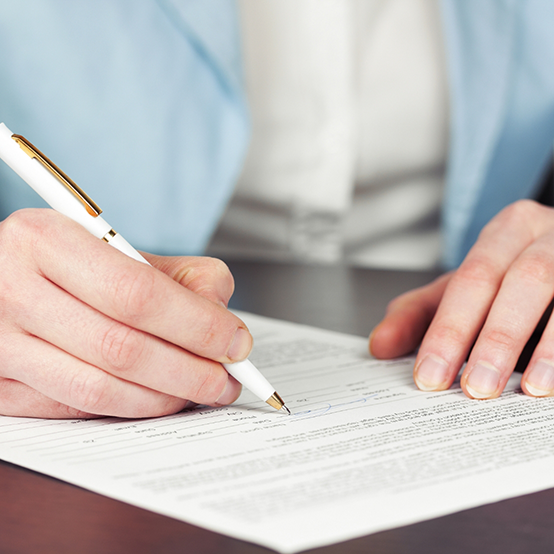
<point>123,246</point>
<point>47,186</point>
<point>247,374</point>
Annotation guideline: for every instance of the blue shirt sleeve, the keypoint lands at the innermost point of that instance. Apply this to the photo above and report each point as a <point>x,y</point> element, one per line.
<point>500,60</point>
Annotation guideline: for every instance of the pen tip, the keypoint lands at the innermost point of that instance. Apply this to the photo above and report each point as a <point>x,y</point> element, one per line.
<point>275,401</point>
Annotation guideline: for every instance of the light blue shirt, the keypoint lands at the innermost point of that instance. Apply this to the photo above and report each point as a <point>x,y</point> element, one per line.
<point>141,103</point>
<point>501,65</point>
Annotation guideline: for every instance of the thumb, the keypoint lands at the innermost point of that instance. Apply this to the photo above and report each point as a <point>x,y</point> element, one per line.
<point>207,277</point>
<point>407,318</point>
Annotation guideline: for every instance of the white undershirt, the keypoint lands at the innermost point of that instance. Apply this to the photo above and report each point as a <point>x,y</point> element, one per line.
<point>349,110</point>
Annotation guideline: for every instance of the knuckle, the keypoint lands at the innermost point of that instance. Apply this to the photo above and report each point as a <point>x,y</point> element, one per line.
<point>477,271</point>
<point>121,347</point>
<point>535,267</point>
<point>25,232</point>
<point>88,391</point>
<point>17,229</point>
<point>499,338</point>
<point>133,294</point>
<point>520,212</point>
<point>28,222</point>
<point>20,234</point>
<point>449,334</point>
<point>518,215</point>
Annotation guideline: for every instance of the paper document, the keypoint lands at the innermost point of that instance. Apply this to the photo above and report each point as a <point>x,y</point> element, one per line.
<point>363,451</point>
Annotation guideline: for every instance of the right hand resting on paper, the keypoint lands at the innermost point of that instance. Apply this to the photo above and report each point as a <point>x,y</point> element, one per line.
<point>85,330</point>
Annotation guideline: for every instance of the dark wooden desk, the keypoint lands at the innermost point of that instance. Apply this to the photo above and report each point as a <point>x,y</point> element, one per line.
<point>39,514</point>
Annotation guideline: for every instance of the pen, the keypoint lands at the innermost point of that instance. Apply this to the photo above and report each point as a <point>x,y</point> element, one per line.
<point>64,196</point>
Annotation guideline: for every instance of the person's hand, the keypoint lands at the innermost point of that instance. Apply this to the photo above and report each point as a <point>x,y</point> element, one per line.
<point>85,330</point>
<point>489,306</point>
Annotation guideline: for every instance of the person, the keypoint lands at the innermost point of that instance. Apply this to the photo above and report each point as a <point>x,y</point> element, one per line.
<point>154,92</point>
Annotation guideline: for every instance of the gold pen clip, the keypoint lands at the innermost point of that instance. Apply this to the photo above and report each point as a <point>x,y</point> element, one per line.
<point>92,208</point>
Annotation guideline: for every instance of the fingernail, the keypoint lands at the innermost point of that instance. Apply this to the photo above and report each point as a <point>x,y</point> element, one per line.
<point>540,379</point>
<point>483,380</point>
<point>431,373</point>
<point>230,393</point>
<point>241,345</point>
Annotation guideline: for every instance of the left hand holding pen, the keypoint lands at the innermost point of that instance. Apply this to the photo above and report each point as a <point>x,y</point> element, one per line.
<point>490,307</point>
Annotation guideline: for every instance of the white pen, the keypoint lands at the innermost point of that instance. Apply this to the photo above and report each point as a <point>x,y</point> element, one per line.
<point>64,196</point>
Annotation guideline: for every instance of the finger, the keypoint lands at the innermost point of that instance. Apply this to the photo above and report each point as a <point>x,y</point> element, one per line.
<point>125,290</point>
<point>526,291</point>
<point>76,384</point>
<point>406,320</point>
<point>127,353</point>
<point>538,378</point>
<point>472,290</point>
<point>208,277</point>
<point>20,400</point>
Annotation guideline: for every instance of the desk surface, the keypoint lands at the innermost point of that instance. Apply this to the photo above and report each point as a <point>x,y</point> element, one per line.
<point>41,514</point>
